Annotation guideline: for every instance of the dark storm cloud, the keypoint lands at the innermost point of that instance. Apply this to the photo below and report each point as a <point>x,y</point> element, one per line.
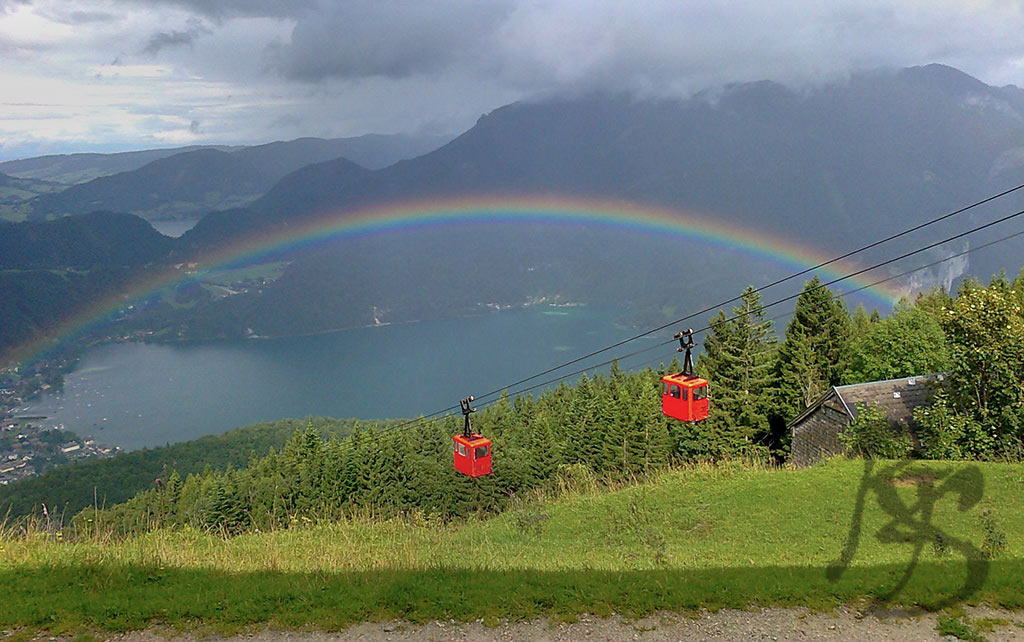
<point>540,45</point>
<point>255,69</point>
<point>394,39</point>
<point>164,39</point>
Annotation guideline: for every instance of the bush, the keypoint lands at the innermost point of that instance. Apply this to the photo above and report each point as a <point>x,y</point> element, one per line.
<point>948,434</point>
<point>871,436</point>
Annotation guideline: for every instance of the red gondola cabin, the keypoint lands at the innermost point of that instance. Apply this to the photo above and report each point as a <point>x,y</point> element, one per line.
<point>472,455</point>
<point>472,450</point>
<point>684,397</point>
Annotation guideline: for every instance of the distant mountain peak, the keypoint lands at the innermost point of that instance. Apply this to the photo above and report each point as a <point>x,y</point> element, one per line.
<point>949,79</point>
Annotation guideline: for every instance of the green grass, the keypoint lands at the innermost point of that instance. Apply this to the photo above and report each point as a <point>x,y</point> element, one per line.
<point>706,537</point>
<point>229,277</point>
<point>12,213</point>
<point>14,197</point>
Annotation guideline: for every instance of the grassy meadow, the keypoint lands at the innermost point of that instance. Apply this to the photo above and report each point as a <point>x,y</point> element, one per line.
<point>930,534</point>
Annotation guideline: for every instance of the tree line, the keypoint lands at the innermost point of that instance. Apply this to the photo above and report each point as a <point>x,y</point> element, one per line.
<point>976,339</point>
<point>66,490</point>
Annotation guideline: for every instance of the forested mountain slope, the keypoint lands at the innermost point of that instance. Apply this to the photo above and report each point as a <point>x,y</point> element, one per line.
<point>104,239</point>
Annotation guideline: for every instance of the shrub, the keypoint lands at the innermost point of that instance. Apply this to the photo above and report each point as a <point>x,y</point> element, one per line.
<point>871,436</point>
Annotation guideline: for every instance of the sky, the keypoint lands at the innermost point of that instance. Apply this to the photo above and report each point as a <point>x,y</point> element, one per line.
<point>111,75</point>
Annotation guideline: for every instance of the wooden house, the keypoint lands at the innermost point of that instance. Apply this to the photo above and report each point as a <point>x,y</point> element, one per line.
<point>816,430</point>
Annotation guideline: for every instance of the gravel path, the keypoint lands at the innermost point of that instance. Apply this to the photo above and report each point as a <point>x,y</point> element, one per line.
<point>724,626</point>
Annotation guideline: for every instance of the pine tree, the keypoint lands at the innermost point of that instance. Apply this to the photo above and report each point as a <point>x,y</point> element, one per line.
<point>738,358</point>
<point>816,350</point>
<point>801,370</point>
<point>861,322</point>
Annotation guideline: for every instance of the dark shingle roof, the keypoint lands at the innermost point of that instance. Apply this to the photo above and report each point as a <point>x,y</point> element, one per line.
<point>896,397</point>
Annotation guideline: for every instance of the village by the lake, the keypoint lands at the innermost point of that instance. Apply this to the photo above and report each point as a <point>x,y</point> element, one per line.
<point>29,446</point>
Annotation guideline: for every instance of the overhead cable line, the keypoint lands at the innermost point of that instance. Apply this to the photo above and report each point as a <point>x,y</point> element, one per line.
<point>773,303</point>
<point>840,295</point>
<point>437,415</point>
<point>795,275</point>
<point>715,306</point>
<point>741,315</point>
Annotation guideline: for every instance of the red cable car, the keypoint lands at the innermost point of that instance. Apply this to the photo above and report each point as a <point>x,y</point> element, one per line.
<point>472,450</point>
<point>684,396</point>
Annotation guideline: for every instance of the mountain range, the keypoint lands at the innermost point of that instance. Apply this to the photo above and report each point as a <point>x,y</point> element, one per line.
<point>186,182</point>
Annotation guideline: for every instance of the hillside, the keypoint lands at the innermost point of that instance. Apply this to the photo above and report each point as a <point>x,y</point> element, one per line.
<point>104,239</point>
<point>193,182</point>
<point>36,301</point>
<point>277,158</point>
<point>702,537</point>
<point>70,169</point>
<point>51,270</point>
<point>15,191</point>
<point>182,184</point>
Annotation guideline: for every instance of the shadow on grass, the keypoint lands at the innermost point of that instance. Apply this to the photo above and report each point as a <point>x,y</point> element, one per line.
<point>110,597</point>
<point>912,523</point>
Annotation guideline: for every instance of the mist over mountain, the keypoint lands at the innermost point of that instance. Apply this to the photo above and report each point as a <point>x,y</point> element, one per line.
<point>373,151</point>
<point>881,147</point>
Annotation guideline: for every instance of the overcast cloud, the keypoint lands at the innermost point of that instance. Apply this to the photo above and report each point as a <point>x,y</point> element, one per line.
<point>119,74</point>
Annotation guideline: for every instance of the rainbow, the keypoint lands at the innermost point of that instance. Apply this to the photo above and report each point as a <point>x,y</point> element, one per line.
<point>411,215</point>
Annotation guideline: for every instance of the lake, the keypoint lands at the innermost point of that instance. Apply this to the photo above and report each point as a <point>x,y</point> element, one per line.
<point>138,395</point>
<point>174,227</point>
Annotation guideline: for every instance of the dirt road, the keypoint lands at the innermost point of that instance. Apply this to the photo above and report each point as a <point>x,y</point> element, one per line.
<point>724,626</point>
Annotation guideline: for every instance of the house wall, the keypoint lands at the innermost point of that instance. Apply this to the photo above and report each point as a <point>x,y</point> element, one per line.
<point>817,435</point>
